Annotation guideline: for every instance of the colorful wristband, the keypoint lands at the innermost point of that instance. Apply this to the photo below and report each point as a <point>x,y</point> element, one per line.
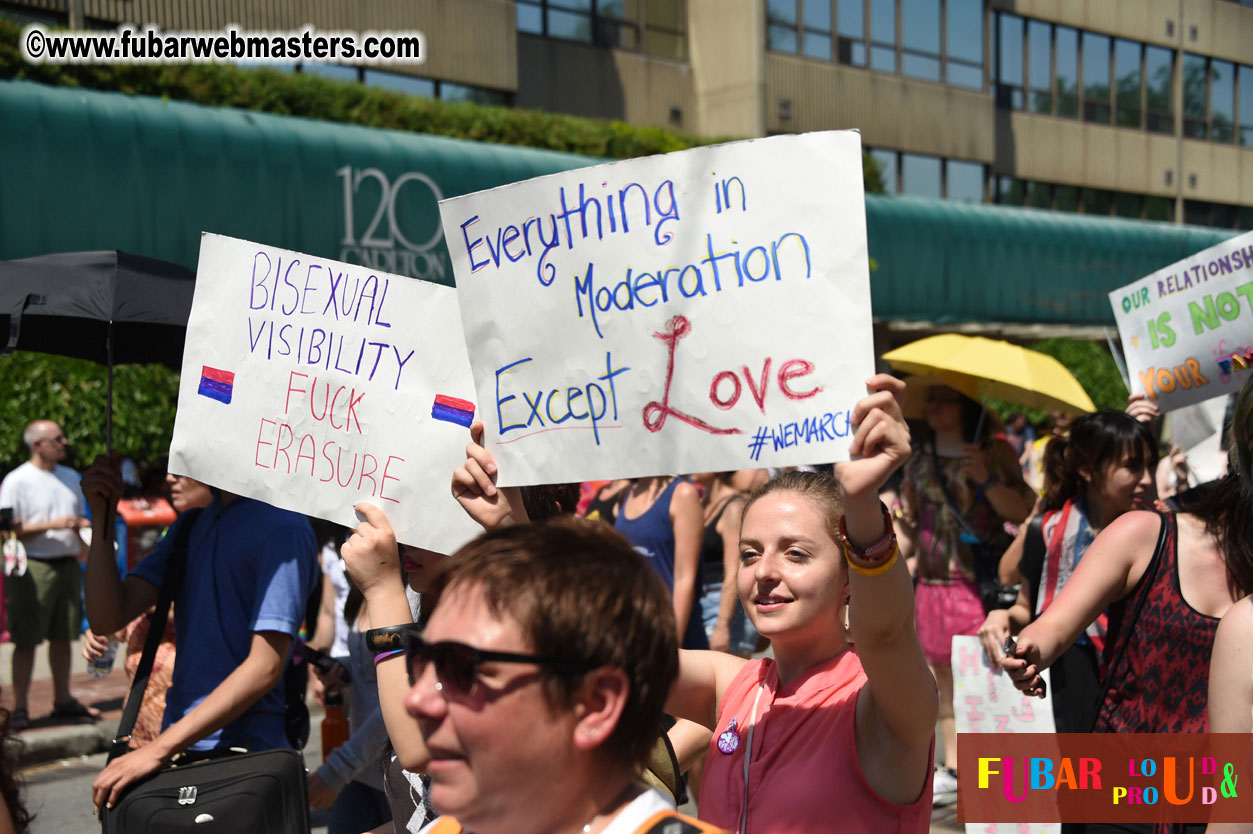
<point>876,553</point>
<point>874,570</point>
<point>381,656</point>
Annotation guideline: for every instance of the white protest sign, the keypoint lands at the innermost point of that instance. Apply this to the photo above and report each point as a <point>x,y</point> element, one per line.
<point>1187,330</point>
<point>985,701</point>
<point>311,385</point>
<point>702,310</point>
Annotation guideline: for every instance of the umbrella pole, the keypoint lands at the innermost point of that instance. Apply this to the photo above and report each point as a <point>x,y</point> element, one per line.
<point>983,414</point>
<point>108,410</point>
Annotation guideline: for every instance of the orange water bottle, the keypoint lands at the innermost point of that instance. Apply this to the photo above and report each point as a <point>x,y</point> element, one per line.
<point>335,724</point>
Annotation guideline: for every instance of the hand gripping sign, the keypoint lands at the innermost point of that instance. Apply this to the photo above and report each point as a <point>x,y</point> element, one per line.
<point>312,384</point>
<point>701,310</point>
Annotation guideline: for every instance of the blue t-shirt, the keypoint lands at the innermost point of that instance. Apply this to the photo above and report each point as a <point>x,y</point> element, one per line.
<point>250,567</point>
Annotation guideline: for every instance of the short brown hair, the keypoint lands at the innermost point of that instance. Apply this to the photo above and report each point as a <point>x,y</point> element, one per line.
<point>819,488</point>
<point>580,592</point>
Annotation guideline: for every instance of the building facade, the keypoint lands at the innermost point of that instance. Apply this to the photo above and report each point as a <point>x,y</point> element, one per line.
<point>1133,108</point>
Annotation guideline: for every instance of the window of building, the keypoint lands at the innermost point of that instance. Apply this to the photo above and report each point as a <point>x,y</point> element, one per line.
<point>1159,86</point>
<point>407,84</point>
<point>1039,195</point>
<point>1066,67</point>
<point>781,22</point>
<point>1009,81</point>
<point>338,72</point>
<point>1244,109</point>
<point>1222,101</point>
<point>817,33</point>
<point>920,176</point>
<point>852,31</point>
<point>1127,58</point>
<point>1096,88</point>
<point>887,166</point>
<point>920,39</point>
<point>1159,208</point>
<point>883,35</point>
<point>1010,191</point>
<point>963,43</point>
<point>964,181</point>
<point>1065,198</point>
<point>1096,201</point>
<point>1195,91</point>
<point>448,91</point>
<point>657,27</point>
<point>1127,205</point>
<point>1039,66</point>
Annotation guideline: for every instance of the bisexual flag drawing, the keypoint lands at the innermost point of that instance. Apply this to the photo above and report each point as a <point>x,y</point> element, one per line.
<point>453,410</point>
<point>215,384</point>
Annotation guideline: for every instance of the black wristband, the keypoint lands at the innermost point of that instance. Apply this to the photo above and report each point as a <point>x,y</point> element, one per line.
<point>390,638</point>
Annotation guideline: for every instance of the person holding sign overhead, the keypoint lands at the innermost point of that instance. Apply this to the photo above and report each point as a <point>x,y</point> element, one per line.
<point>841,720</point>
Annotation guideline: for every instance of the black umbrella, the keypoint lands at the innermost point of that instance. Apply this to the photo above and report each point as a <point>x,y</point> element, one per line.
<point>108,306</point>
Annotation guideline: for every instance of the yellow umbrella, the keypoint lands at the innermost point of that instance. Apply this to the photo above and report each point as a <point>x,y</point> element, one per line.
<point>980,367</point>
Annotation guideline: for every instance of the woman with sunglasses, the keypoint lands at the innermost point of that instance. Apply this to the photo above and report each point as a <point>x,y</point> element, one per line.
<point>840,723</point>
<point>959,488</point>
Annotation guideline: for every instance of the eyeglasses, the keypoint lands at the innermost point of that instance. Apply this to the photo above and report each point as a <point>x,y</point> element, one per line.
<point>457,665</point>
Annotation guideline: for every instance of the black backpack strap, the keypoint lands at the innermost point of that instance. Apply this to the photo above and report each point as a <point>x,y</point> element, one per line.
<point>175,568</point>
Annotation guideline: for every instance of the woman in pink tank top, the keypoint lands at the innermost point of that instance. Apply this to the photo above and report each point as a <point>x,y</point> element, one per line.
<point>824,736</point>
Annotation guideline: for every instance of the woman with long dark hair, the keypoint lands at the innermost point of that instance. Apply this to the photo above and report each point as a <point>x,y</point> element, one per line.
<point>1105,468</point>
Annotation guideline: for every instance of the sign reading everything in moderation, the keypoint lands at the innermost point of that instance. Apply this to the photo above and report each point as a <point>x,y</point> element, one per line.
<point>700,310</point>
<point>1187,330</point>
<point>312,384</point>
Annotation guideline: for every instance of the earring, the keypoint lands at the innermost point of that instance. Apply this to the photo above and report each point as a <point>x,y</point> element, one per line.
<point>439,687</point>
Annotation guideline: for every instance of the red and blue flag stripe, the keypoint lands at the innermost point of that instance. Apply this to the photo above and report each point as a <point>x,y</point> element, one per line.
<point>216,384</point>
<point>453,410</point>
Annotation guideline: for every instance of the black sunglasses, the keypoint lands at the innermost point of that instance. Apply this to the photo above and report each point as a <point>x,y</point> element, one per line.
<point>457,665</point>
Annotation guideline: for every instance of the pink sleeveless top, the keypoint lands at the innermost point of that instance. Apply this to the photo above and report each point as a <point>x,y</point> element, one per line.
<point>804,773</point>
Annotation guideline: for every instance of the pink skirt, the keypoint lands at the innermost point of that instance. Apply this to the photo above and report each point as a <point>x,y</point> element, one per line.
<point>942,611</point>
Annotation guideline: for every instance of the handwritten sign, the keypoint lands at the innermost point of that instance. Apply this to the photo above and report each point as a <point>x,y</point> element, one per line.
<point>985,701</point>
<point>706,309</point>
<point>312,384</point>
<point>1187,330</point>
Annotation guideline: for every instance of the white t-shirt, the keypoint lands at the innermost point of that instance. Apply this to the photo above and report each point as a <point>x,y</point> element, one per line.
<point>37,495</point>
<point>637,812</point>
<point>333,570</point>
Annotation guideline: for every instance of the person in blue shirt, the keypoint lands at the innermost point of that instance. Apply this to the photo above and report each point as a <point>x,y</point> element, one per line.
<point>250,570</point>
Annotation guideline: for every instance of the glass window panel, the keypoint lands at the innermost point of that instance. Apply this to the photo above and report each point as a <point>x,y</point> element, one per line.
<point>965,181</point>
<point>1009,50</point>
<point>1039,195</point>
<point>1095,77</point>
<point>1246,218</point>
<point>852,52</point>
<point>1158,88</point>
<point>920,25</point>
<point>852,19</point>
<point>1096,201</point>
<point>1011,191</point>
<point>887,167</point>
<point>569,26</point>
<point>1039,69</point>
<point>1194,93</point>
<point>530,19</point>
<point>1066,198</point>
<point>1224,216</point>
<point>665,14</point>
<point>339,72</point>
<point>665,44</point>
<point>574,5</point>
<point>1127,205</point>
<point>818,14</point>
<point>615,9</point>
<point>964,34</point>
<point>883,59</point>
<point>818,46</point>
<point>883,21</point>
<point>1196,213</point>
<point>920,66</point>
<point>920,175</point>
<point>1159,208</point>
<point>781,38</point>
<point>1066,66</point>
<point>781,11</point>
<point>460,92</point>
<point>1222,100</point>
<point>1127,83</point>
<point>406,84</point>
<point>613,33</point>
<point>964,75</point>
<point>1245,111</point>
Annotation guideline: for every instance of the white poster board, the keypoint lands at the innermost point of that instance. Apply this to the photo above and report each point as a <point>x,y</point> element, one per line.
<point>1187,330</point>
<point>985,701</point>
<point>701,310</point>
<point>312,384</point>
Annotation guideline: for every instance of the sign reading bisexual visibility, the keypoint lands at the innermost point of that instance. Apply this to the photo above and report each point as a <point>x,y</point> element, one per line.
<point>702,310</point>
<point>312,384</point>
<point>1187,329</point>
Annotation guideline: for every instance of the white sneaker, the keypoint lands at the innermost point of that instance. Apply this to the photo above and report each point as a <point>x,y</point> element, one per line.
<point>943,787</point>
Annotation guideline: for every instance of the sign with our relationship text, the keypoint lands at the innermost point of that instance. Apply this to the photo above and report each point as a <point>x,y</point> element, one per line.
<point>702,310</point>
<point>312,384</point>
<point>1187,329</point>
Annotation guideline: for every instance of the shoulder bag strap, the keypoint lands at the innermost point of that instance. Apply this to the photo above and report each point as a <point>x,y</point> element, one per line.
<point>169,587</point>
<point>1127,627</point>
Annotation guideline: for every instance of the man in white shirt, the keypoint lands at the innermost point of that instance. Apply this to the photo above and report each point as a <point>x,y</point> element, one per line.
<point>45,603</point>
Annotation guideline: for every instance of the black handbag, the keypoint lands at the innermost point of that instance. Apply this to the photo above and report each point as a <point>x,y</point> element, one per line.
<point>993,593</point>
<point>221,791</point>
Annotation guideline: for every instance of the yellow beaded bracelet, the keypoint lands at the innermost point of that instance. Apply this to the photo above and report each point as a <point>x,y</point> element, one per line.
<point>876,569</point>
